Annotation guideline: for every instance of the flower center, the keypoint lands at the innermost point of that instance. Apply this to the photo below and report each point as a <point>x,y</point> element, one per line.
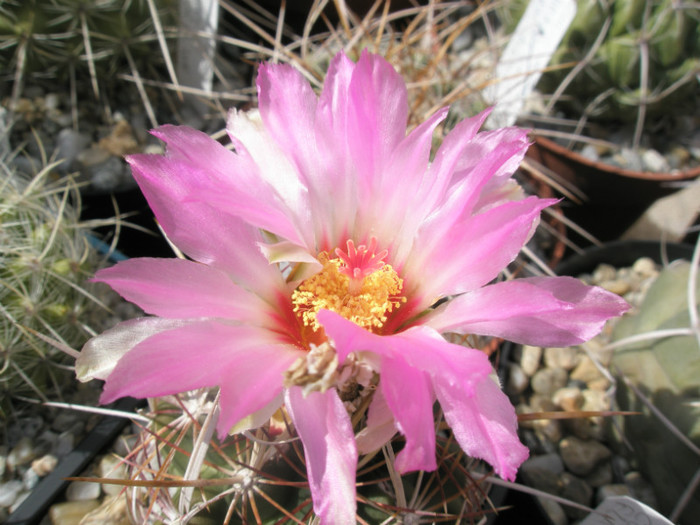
<point>358,285</point>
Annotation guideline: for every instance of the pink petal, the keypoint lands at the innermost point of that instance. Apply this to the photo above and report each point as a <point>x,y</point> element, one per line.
<point>362,115</point>
<point>218,177</point>
<point>480,415</point>
<point>379,428</point>
<point>489,241</point>
<point>259,417</point>
<point>334,103</point>
<point>421,347</point>
<point>409,396</point>
<point>545,311</point>
<point>288,109</point>
<point>275,166</point>
<point>101,354</point>
<point>377,113</point>
<point>329,448</point>
<point>484,424</point>
<point>413,362</point>
<point>198,229</point>
<point>178,288</point>
<point>392,217</point>
<point>252,382</point>
<point>447,158</point>
<point>467,163</point>
<point>335,169</point>
<point>195,356</point>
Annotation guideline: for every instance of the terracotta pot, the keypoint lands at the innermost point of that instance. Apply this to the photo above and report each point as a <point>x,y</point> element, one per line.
<point>616,197</point>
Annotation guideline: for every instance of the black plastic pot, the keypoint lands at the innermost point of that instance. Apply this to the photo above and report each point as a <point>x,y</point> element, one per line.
<point>49,489</point>
<point>615,197</point>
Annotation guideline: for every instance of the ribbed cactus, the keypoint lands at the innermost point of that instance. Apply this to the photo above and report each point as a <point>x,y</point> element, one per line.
<point>262,476</point>
<point>636,53</point>
<point>45,259</point>
<point>666,370</point>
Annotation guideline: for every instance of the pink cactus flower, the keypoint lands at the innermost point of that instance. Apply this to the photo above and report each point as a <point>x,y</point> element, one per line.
<point>317,250</point>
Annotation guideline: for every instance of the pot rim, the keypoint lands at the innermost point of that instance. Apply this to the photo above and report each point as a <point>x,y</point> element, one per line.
<point>609,168</point>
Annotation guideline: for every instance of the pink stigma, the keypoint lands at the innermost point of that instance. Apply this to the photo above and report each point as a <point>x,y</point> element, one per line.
<point>360,262</point>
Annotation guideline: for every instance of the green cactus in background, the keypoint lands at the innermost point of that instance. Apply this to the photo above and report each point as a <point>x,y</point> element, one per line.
<point>45,259</point>
<point>666,370</point>
<point>80,42</point>
<point>635,54</point>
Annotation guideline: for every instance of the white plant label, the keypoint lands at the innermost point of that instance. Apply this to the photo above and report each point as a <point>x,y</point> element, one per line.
<point>529,50</point>
<point>623,510</point>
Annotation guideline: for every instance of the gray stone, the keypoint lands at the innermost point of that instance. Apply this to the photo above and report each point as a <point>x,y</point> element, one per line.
<point>21,454</point>
<point>517,380</point>
<point>607,491</point>
<point>70,144</point>
<point>546,381</point>
<point>44,465</point>
<point>654,161</point>
<point>46,442</point>
<point>550,430</point>
<point>82,491</point>
<point>112,511</point>
<point>554,511</point>
<point>24,428</point>
<point>565,358</point>
<point>581,457</point>
<point>602,475</point>
<point>568,398</point>
<point>530,359</point>
<point>604,272</point>
<point>110,175</point>
<point>595,400</point>
<point>641,489</point>
<point>590,152</point>
<point>9,492</point>
<point>71,512</point>
<point>64,420</point>
<point>541,403</point>
<point>112,467</point>
<point>125,444</point>
<point>616,286</point>
<point>542,472</point>
<point>620,466</point>
<point>30,479</point>
<point>645,266</point>
<point>586,370</point>
<point>548,463</point>
<point>588,428</point>
<point>64,444</point>
<point>577,490</point>
<point>629,159</point>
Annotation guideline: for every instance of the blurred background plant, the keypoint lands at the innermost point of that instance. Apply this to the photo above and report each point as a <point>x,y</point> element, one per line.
<point>657,362</point>
<point>81,44</point>
<point>45,259</point>
<point>630,66</point>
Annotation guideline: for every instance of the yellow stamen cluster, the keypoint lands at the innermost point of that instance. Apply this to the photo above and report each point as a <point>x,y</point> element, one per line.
<point>329,289</point>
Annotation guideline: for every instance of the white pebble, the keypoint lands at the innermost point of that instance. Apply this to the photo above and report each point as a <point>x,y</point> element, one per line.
<point>9,492</point>
<point>82,491</point>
